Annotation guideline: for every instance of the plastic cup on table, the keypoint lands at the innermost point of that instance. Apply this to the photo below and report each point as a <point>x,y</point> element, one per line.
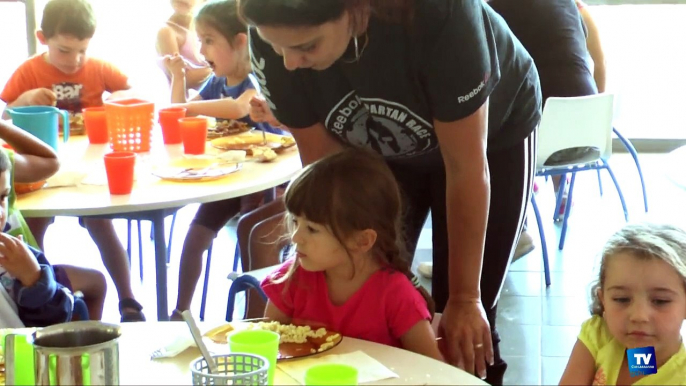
<point>258,342</point>
<point>193,134</point>
<point>95,122</point>
<point>331,374</point>
<point>119,166</point>
<point>169,121</point>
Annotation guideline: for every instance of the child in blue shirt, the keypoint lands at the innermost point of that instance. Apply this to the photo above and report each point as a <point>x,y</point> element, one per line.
<point>226,95</point>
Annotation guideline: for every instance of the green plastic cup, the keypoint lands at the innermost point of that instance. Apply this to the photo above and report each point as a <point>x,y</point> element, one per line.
<point>258,342</point>
<point>331,374</point>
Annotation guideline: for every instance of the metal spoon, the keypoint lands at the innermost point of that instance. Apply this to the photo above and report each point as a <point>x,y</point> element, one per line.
<point>190,321</point>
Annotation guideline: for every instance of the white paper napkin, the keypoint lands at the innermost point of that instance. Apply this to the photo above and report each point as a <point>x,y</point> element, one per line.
<point>368,368</point>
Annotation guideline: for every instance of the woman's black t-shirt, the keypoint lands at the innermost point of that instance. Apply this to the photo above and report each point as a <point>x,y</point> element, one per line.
<point>453,57</point>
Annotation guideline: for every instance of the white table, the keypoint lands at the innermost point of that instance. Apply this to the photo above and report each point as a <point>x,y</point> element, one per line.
<point>151,197</point>
<point>136,367</point>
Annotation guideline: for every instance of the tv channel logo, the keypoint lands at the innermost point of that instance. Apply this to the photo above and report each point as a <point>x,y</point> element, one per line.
<point>641,361</point>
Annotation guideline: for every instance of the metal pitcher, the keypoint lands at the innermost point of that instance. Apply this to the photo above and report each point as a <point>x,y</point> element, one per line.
<point>77,353</point>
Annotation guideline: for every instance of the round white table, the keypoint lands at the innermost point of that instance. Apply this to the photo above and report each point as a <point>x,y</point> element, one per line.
<point>151,197</point>
<point>138,341</point>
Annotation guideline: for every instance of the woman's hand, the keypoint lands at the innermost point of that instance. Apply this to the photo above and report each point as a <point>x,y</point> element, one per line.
<point>260,112</point>
<point>466,336</point>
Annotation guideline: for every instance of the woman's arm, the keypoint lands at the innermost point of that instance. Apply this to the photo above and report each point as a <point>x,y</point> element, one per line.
<point>314,143</point>
<point>580,368</point>
<point>34,160</point>
<point>595,48</point>
<point>274,313</point>
<point>463,146</point>
<point>422,340</point>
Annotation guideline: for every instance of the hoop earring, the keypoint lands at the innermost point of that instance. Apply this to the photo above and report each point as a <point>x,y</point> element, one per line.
<point>357,52</point>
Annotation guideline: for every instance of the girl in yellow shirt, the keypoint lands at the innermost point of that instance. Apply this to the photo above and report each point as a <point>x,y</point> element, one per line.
<point>638,301</point>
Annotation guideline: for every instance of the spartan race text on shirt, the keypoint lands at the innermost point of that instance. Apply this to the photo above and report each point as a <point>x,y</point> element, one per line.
<point>387,127</point>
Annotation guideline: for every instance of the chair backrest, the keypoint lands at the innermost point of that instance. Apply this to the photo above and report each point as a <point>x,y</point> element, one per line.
<point>576,122</point>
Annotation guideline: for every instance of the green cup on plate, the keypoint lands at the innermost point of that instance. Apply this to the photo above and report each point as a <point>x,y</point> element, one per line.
<point>331,374</point>
<point>258,342</point>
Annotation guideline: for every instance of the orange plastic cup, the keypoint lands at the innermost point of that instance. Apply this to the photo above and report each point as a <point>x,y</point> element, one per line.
<point>169,120</point>
<point>119,166</point>
<point>193,134</point>
<point>95,122</point>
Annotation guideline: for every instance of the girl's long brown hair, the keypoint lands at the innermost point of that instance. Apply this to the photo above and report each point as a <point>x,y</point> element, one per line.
<point>352,191</point>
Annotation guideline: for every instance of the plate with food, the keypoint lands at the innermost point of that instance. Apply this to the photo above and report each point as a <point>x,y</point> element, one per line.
<point>297,341</point>
<point>252,140</point>
<point>76,125</point>
<point>226,127</point>
<point>189,169</point>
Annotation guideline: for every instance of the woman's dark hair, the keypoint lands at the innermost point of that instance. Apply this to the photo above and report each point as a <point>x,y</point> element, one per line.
<point>310,13</point>
<point>348,192</point>
<point>222,15</point>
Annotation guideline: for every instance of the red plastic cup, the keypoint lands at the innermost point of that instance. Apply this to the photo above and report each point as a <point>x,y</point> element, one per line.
<point>169,120</point>
<point>193,134</point>
<point>119,166</point>
<point>95,122</point>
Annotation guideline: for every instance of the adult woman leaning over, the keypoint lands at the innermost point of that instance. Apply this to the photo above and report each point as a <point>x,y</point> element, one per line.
<point>443,91</point>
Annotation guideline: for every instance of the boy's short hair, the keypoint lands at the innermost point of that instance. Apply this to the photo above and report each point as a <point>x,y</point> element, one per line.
<point>68,17</point>
<point>5,164</point>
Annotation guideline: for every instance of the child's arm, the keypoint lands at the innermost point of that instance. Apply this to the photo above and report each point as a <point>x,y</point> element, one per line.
<point>34,160</point>
<point>227,108</point>
<point>580,368</point>
<point>35,97</point>
<point>41,301</point>
<point>422,340</point>
<point>168,45</point>
<point>177,69</point>
<point>272,312</point>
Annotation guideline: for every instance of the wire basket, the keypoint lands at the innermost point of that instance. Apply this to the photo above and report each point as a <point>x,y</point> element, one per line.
<point>129,124</point>
<point>233,369</point>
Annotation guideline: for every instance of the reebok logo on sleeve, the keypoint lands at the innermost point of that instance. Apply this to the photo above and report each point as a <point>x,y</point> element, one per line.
<point>473,93</point>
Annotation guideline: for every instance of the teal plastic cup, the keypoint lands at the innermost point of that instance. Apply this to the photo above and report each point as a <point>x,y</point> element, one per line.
<point>258,342</point>
<point>331,374</point>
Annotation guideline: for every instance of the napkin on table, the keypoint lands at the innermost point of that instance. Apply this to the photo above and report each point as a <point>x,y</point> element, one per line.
<point>368,368</point>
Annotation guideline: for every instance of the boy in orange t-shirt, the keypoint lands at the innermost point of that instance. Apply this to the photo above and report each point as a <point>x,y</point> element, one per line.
<point>64,77</point>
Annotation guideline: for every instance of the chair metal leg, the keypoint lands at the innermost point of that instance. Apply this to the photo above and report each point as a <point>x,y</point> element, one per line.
<point>205,284</point>
<point>600,183</point>
<point>560,194</point>
<point>568,209</point>
<point>632,150</point>
<point>128,240</point>
<point>169,241</point>
<point>619,191</point>
<point>544,247</point>
<point>237,259</point>
<point>140,249</point>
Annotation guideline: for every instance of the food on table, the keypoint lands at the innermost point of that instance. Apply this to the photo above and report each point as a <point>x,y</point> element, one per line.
<point>28,187</point>
<point>295,340</point>
<point>253,143</point>
<point>223,128</point>
<point>263,154</point>
<point>76,126</point>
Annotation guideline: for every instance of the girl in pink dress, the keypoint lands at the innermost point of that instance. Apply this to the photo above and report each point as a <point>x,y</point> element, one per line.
<point>350,272</point>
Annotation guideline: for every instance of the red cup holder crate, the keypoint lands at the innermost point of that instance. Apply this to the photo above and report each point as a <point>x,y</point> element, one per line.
<point>129,124</point>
